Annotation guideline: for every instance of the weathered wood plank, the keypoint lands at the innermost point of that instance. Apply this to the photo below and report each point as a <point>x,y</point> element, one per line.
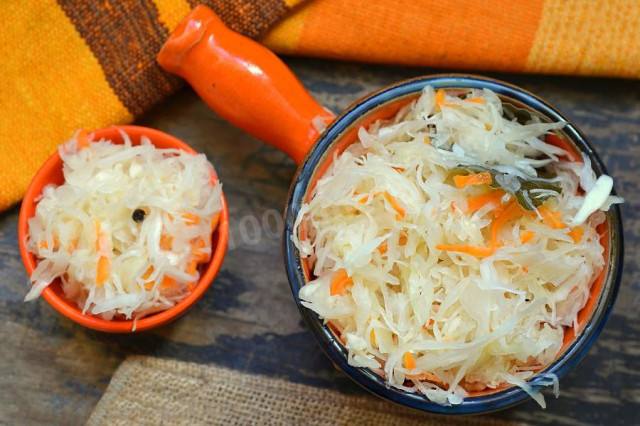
<point>53,371</point>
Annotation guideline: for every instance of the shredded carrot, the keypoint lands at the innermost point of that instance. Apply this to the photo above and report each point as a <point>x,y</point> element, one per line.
<point>191,268</point>
<point>395,205</point>
<point>400,212</point>
<point>483,178</point>
<point>488,127</point>
<point>82,139</point>
<point>340,282</point>
<point>576,233</point>
<point>409,361</point>
<point>439,98</point>
<point>149,285</point>
<point>45,245</point>
<point>426,377</point>
<point>72,246</point>
<point>382,248</point>
<point>372,337</point>
<point>525,270</point>
<point>190,287</point>
<point>167,282</point>
<point>199,256</point>
<point>475,100</point>
<point>511,211</point>
<point>398,169</point>
<point>191,219</point>
<point>551,219</point>
<point>147,273</point>
<point>477,251</point>
<point>476,202</point>
<point>526,236</point>
<point>215,221</point>
<point>166,241</point>
<point>402,240</point>
<point>102,270</point>
<point>427,140</point>
<point>98,233</point>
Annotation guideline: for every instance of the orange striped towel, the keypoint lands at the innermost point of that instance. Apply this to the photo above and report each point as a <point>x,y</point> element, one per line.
<point>73,63</point>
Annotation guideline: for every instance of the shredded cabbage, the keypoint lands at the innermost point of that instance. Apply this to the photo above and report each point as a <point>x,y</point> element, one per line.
<point>435,295</point>
<point>127,229</point>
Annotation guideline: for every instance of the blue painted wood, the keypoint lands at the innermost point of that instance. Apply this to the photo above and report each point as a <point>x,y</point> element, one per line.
<point>54,371</point>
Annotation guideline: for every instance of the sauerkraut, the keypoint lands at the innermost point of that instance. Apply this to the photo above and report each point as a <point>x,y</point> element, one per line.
<point>127,230</point>
<point>452,246</point>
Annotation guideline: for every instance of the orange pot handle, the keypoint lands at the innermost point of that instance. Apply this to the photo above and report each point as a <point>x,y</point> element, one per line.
<point>244,82</point>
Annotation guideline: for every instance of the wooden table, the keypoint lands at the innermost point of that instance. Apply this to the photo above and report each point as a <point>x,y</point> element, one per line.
<point>54,371</point>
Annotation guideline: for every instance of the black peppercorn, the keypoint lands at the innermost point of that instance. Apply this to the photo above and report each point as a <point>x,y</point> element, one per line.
<point>138,215</point>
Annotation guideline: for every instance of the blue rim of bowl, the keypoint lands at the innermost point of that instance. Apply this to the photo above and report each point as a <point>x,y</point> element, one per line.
<point>333,348</point>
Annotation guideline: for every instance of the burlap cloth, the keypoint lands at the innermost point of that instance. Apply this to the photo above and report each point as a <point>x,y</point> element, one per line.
<point>146,390</point>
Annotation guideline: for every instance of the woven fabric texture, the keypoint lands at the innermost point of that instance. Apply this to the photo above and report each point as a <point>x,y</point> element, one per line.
<point>152,391</point>
<point>70,63</point>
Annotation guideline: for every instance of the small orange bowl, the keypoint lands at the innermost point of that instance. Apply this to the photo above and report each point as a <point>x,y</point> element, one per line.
<point>51,173</point>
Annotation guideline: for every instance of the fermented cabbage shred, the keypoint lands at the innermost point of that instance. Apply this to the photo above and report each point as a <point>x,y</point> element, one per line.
<point>429,261</point>
<point>127,230</point>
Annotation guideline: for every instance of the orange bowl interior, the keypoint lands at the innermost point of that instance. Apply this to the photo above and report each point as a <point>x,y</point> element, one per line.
<point>388,111</point>
<point>51,173</point>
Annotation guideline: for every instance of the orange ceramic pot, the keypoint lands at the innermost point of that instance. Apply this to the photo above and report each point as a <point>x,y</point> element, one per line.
<point>250,87</point>
<point>51,173</point>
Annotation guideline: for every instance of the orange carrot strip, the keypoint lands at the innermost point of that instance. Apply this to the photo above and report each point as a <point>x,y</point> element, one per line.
<point>147,273</point>
<point>427,140</point>
<point>477,251</point>
<point>45,245</point>
<point>167,282</point>
<point>483,178</point>
<point>372,337</point>
<point>382,248</point>
<point>576,233</point>
<point>525,270</point>
<point>400,212</point>
<point>191,268</point>
<point>439,98</point>
<point>102,270</point>
<point>82,139</point>
<point>510,212</point>
<point>199,256</point>
<point>98,232</point>
<point>425,377</point>
<point>72,246</point>
<point>526,236</point>
<point>476,202</point>
<point>191,219</point>
<point>408,361</point>
<point>340,282</point>
<point>215,221</point>
<point>149,285</point>
<point>475,100</point>
<point>166,241</point>
<point>551,219</point>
